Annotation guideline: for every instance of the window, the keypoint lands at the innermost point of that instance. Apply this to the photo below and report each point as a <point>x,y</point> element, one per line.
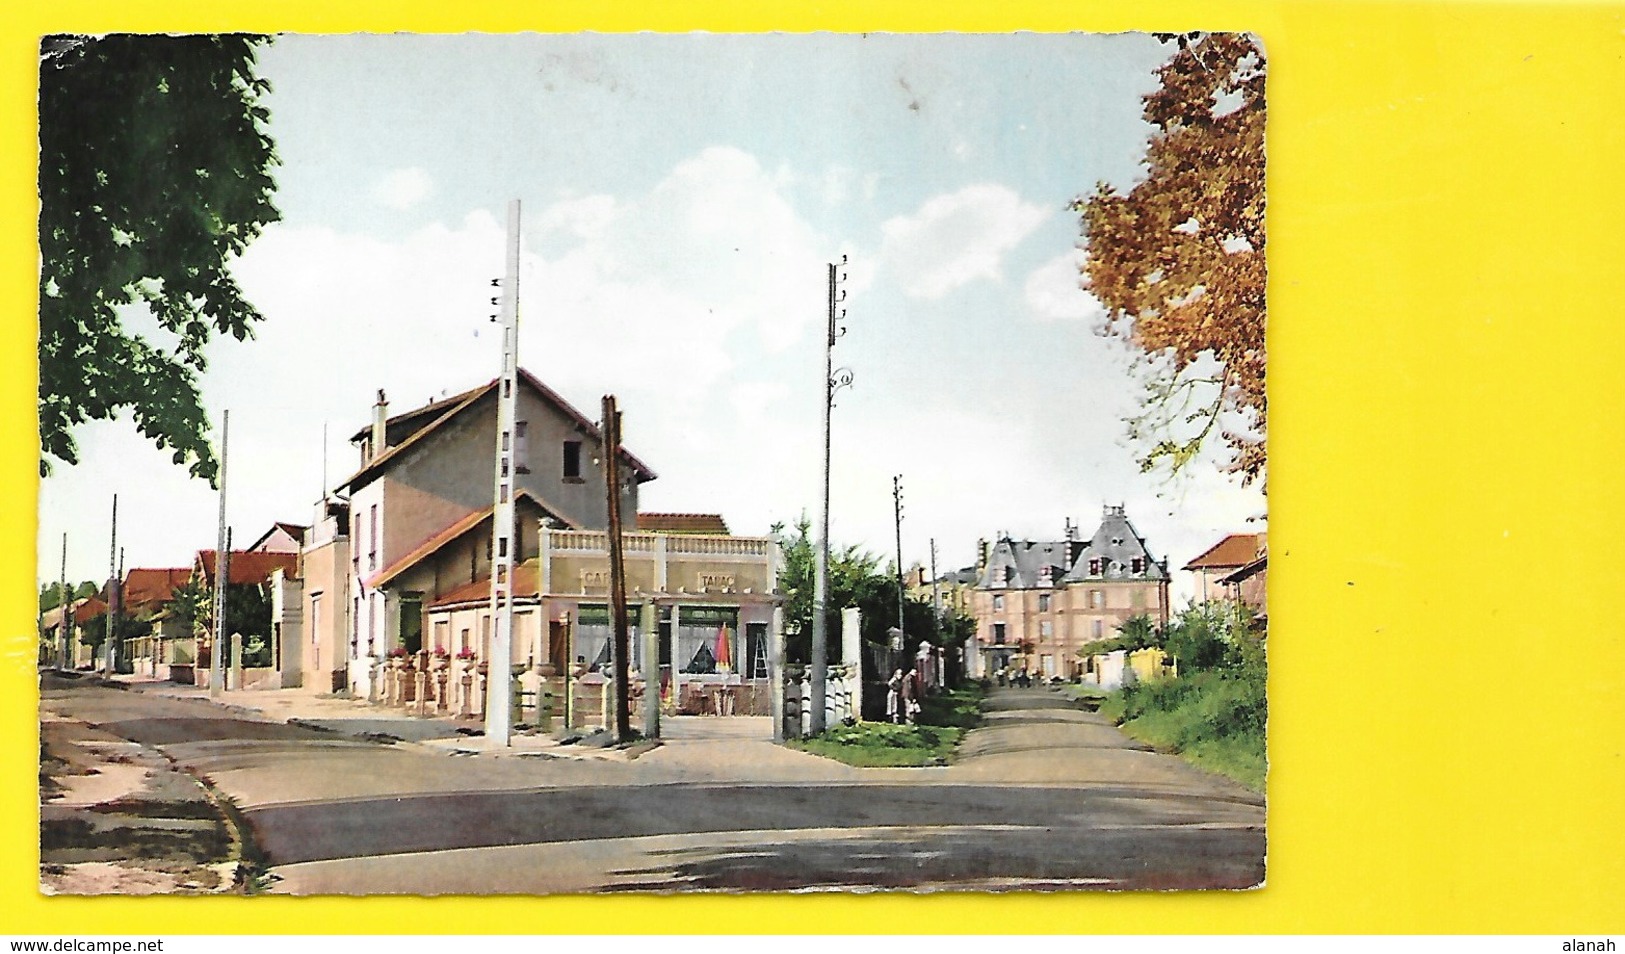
<point>572,460</point>
<point>998,634</point>
<point>1097,599</point>
<point>372,539</point>
<point>1046,629</point>
<point>998,602</point>
<point>1099,629</point>
<point>1043,602</point>
<point>521,447</point>
<point>1094,566</point>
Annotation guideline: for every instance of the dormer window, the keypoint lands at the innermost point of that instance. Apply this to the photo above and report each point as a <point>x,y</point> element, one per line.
<point>1094,566</point>
<point>1137,565</point>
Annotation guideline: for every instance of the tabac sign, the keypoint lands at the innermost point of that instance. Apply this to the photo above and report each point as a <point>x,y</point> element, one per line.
<point>715,581</point>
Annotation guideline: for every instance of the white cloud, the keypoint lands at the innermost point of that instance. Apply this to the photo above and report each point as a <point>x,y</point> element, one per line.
<point>956,238</point>
<point>685,301</point>
<point>1053,291</point>
<point>403,188</point>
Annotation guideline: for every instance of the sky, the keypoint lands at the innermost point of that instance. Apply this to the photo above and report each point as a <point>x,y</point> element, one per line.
<point>682,197</point>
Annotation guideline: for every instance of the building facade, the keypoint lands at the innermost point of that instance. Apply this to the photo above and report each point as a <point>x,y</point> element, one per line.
<point>418,513</point>
<point>1212,566</point>
<point>1040,605</point>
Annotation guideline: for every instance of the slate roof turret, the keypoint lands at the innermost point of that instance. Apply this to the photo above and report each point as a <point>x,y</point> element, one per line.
<point>1112,552</point>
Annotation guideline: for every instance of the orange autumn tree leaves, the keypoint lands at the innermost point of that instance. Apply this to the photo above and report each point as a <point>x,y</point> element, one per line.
<point>1178,261</point>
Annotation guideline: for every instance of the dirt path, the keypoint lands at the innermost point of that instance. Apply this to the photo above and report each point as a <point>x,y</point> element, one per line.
<point>117,817</point>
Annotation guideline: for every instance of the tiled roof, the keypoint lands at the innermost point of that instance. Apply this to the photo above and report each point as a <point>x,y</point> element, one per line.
<point>248,566</point>
<point>146,588</point>
<point>404,425</point>
<point>451,407</point>
<point>85,609</point>
<point>1237,549</point>
<point>682,523</point>
<point>526,584</point>
<point>293,530</point>
<point>452,532</point>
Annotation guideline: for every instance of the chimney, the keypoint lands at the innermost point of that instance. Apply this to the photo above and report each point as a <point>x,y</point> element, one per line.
<point>380,415</point>
<point>981,556</point>
<point>1071,531</point>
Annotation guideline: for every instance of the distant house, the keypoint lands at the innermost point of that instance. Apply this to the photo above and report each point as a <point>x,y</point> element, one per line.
<point>1246,584</point>
<point>1221,560</point>
<point>260,571</point>
<point>418,511</point>
<point>87,617</point>
<point>146,596</point>
<point>1039,605</point>
<point>953,589</point>
<point>281,538</point>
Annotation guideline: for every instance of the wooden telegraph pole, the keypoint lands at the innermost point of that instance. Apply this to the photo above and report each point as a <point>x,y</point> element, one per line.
<point>617,572</point>
<point>108,663</point>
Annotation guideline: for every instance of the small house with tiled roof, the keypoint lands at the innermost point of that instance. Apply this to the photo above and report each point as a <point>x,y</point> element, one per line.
<point>281,538</point>
<point>146,596</point>
<point>86,616</point>
<point>1224,558</point>
<point>1039,605</point>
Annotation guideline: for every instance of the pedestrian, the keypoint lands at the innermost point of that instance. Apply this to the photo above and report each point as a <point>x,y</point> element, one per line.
<point>910,703</point>
<point>894,690</point>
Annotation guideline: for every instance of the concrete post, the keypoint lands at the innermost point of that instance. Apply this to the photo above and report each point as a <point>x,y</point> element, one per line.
<point>236,660</point>
<point>852,656</point>
<point>649,634</point>
<point>775,672</point>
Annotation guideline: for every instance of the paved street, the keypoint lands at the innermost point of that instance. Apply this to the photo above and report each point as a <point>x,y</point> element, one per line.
<point>1044,795</point>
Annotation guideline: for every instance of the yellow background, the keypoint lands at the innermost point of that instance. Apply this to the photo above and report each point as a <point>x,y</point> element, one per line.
<point>1447,194</point>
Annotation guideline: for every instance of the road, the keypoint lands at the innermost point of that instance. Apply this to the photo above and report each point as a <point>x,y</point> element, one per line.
<point>1044,795</point>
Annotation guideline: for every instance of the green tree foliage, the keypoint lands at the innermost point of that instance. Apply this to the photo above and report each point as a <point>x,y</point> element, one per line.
<point>248,608</point>
<point>1178,261</point>
<point>856,578</point>
<point>50,594</point>
<point>155,170</point>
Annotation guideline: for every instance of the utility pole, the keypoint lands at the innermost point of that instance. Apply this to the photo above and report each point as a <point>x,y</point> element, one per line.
<point>936,593</point>
<point>833,381</point>
<point>217,663</point>
<point>897,522</point>
<point>621,654</point>
<point>64,623</point>
<point>112,597</point>
<point>499,676</point>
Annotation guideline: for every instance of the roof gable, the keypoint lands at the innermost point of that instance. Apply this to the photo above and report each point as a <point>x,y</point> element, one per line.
<point>1114,552</point>
<point>451,408</point>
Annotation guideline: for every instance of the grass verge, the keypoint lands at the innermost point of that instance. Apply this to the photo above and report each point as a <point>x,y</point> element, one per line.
<point>944,719</point>
<point>1213,720</point>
